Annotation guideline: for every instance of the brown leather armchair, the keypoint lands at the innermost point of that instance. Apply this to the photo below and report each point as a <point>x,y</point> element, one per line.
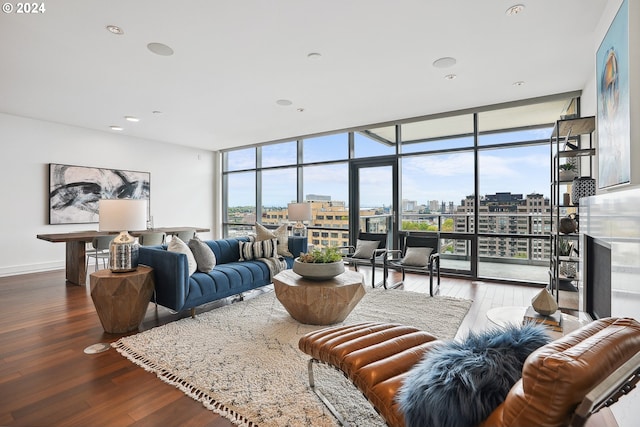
<point>562,383</point>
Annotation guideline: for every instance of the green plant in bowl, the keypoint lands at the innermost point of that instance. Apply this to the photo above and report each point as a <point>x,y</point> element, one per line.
<point>321,256</point>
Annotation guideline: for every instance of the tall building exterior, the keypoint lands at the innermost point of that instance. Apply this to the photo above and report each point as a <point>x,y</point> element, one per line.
<point>500,214</point>
<point>409,205</point>
<point>506,213</point>
<point>331,219</point>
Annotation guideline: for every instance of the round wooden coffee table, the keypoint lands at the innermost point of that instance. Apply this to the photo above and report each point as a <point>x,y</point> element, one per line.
<point>319,302</point>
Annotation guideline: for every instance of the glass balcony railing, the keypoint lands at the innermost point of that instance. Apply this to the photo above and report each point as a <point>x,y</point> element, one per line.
<point>517,252</point>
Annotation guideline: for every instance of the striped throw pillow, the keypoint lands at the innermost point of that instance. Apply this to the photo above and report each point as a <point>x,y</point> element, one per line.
<point>260,249</point>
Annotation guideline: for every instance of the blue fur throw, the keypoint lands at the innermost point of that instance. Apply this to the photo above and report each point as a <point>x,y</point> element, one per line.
<point>459,384</point>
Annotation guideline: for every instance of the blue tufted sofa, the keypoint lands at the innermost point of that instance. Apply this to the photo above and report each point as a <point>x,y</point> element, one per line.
<point>178,291</point>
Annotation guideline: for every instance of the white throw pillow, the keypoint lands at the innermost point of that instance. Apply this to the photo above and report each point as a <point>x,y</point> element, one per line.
<point>259,249</point>
<point>417,257</point>
<point>204,256</point>
<point>365,248</point>
<point>177,245</point>
<point>280,233</point>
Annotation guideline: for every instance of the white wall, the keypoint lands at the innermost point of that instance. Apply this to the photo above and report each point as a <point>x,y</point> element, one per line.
<point>182,184</point>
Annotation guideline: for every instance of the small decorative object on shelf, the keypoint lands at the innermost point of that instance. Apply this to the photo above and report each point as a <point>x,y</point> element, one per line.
<point>544,303</point>
<point>565,247</point>
<point>568,269</point>
<point>568,224</point>
<point>584,186</point>
<point>568,171</point>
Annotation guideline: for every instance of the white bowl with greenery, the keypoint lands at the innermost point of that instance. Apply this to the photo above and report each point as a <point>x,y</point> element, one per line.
<point>319,264</point>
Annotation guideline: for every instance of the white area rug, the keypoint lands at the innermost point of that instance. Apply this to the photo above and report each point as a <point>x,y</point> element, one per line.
<point>243,362</point>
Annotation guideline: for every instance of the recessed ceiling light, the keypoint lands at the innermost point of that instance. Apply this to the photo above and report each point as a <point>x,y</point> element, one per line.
<point>131,119</point>
<point>284,102</point>
<point>445,62</point>
<point>515,9</point>
<point>314,56</point>
<point>160,49</point>
<point>114,29</point>
<point>156,112</point>
<point>300,110</point>
<point>518,83</point>
<point>450,76</point>
<point>118,128</point>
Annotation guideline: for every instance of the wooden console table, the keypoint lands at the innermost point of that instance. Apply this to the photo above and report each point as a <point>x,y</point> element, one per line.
<point>76,242</point>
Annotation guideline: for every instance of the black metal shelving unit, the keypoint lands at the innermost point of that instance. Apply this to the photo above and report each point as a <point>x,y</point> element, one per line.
<point>571,142</point>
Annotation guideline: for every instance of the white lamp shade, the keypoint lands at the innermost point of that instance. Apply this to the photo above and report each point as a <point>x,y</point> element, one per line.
<point>122,214</point>
<point>299,211</point>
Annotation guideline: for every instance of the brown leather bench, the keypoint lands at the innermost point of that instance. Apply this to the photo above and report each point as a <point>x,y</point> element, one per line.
<point>562,383</point>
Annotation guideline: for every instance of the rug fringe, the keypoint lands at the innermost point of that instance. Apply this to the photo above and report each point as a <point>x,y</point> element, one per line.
<point>190,390</point>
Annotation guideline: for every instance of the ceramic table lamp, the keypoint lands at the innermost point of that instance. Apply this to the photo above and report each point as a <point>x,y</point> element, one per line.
<point>299,212</point>
<point>123,215</point>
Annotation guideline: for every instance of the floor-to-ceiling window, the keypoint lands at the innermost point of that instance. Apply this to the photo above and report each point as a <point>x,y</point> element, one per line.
<point>240,190</point>
<point>513,186</point>
<point>326,187</point>
<point>437,164</point>
<point>434,188</point>
<point>375,142</point>
<point>479,178</point>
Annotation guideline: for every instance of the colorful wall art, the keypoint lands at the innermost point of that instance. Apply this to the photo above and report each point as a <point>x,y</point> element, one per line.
<point>612,76</point>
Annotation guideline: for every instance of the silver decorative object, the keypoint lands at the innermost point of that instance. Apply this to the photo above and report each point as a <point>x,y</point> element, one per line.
<point>123,253</point>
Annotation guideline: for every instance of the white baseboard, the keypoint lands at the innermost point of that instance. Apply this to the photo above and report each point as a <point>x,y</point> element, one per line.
<point>40,267</point>
<point>31,268</point>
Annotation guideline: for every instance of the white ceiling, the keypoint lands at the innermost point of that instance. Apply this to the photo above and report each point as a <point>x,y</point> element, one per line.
<point>234,59</point>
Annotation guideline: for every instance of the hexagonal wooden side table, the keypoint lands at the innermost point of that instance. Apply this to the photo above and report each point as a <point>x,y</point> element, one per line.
<point>121,299</point>
<point>319,302</point>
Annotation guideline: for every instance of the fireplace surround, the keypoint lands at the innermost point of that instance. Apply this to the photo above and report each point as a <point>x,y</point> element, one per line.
<point>612,221</point>
<point>611,227</point>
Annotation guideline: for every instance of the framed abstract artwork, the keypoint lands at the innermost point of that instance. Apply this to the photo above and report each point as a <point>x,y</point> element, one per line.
<point>612,80</point>
<point>74,191</point>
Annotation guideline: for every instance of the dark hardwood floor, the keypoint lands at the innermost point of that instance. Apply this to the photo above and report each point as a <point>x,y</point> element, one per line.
<point>46,379</point>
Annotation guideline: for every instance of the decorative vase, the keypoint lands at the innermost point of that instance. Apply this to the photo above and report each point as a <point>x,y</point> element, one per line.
<point>544,303</point>
<point>567,175</point>
<point>568,269</point>
<point>318,271</point>
<point>582,187</point>
<point>568,224</point>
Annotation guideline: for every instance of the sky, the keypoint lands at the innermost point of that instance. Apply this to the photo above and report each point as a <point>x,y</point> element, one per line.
<point>444,177</point>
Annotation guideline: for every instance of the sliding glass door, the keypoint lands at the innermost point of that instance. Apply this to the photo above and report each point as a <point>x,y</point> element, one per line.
<point>372,207</point>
